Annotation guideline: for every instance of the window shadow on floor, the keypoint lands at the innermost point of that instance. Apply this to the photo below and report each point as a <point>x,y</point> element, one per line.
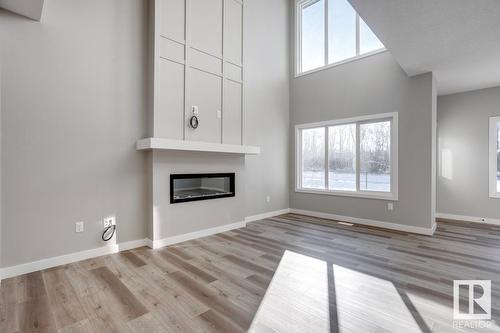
<point>413,310</point>
<point>332,300</point>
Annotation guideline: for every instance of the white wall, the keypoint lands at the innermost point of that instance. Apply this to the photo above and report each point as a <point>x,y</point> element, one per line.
<point>266,105</point>
<point>200,68</point>
<point>463,132</point>
<point>182,218</point>
<point>372,85</point>
<point>74,103</point>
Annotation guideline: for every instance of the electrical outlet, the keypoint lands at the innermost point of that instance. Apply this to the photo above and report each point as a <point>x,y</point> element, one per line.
<point>390,206</point>
<point>79,227</point>
<point>108,221</point>
<point>268,198</point>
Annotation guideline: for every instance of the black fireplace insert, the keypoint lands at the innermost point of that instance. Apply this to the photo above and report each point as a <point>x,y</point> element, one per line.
<point>201,186</point>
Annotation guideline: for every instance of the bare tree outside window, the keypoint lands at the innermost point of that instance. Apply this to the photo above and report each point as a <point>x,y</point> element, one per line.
<point>313,158</point>
<point>342,157</point>
<point>375,159</point>
<point>349,157</point>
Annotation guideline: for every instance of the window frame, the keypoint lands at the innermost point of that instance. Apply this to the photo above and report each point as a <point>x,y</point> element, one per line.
<point>493,159</point>
<point>390,196</point>
<point>301,4</point>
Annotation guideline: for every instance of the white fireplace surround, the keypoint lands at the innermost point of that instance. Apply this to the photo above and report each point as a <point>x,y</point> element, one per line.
<point>170,144</point>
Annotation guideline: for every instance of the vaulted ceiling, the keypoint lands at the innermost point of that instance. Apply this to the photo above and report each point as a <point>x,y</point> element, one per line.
<point>29,8</point>
<point>458,40</point>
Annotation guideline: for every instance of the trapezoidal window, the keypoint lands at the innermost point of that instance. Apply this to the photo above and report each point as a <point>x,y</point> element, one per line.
<point>329,32</point>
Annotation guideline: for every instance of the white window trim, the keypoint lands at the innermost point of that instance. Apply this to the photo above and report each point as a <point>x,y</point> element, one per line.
<point>299,4</point>
<point>390,196</point>
<point>493,158</point>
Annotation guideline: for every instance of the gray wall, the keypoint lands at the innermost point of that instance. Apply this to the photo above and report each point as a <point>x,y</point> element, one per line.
<point>463,120</point>
<point>74,104</point>
<point>266,104</point>
<point>75,100</point>
<point>29,8</point>
<point>371,85</point>
<point>1,242</point>
<point>434,150</point>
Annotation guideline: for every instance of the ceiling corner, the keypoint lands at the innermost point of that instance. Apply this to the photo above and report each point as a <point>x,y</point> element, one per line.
<point>32,9</point>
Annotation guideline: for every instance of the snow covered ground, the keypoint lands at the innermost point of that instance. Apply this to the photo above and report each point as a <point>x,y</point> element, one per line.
<point>347,181</point>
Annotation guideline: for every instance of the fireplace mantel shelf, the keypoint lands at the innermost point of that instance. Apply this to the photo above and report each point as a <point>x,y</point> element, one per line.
<point>169,144</point>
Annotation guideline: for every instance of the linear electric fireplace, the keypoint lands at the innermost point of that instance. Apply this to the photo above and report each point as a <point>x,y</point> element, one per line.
<point>203,186</point>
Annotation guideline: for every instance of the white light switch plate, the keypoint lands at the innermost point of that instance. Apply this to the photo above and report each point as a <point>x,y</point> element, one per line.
<point>110,220</point>
<point>79,227</point>
<point>195,109</point>
<point>219,114</point>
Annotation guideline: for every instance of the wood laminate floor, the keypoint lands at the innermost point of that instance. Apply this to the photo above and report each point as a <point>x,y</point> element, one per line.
<point>328,277</point>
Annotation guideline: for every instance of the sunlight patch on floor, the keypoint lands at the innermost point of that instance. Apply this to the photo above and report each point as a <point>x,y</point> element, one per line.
<point>309,295</point>
<point>366,303</point>
<point>296,299</point>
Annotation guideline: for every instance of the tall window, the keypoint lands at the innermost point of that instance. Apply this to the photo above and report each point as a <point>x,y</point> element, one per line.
<point>495,157</point>
<point>352,157</point>
<point>329,32</point>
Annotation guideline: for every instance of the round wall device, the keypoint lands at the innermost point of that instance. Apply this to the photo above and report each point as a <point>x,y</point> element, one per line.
<point>194,122</point>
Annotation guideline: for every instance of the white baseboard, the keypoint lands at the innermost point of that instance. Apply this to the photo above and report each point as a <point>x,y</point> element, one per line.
<point>483,220</point>
<point>12,271</point>
<point>259,217</point>
<point>38,265</point>
<point>8,272</point>
<point>212,231</point>
<point>196,234</point>
<point>149,243</point>
<point>434,227</point>
<point>373,223</point>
